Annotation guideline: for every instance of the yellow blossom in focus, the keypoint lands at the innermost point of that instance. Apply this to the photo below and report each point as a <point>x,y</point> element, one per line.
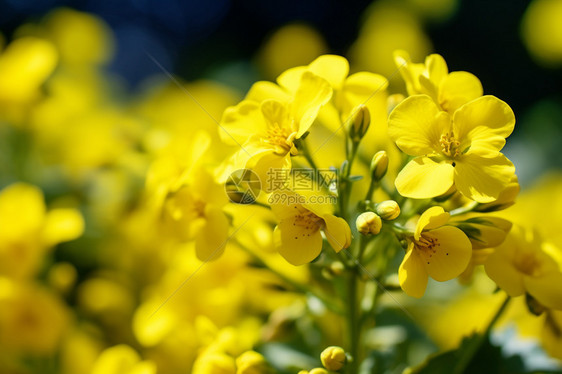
<point>523,265</point>
<point>463,151</point>
<point>449,90</point>
<point>435,250</point>
<point>28,229</point>
<point>122,359</point>
<point>298,233</point>
<point>266,130</point>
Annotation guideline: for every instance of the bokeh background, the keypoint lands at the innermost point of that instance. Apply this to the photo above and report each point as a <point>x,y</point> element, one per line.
<point>86,123</point>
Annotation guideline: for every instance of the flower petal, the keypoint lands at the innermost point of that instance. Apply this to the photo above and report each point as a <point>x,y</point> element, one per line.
<point>546,289</point>
<point>423,178</point>
<point>457,89</point>
<point>482,179</point>
<point>501,270</point>
<point>332,68</point>
<point>416,126</point>
<point>337,232</point>
<point>451,256</point>
<point>240,122</point>
<point>312,93</point>
<point>62,225</point>
<point>412,274</point>
<point>361,88</point>
<point>297,244</point>
<point>272,169</point>
<point>483,124</point>
<point>264,90</point>
<point>430,219</point>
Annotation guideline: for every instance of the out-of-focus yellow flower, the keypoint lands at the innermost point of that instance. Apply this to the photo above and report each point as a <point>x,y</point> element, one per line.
<point>388,26</point>
<point>80,38</point>
<point>291,45</point>
<point>252,362</point>
<point>24,65</point>
<point>27,229</point>
<point>437,251</point>
<point>79,350</point>
<point>463,151</point>
<point>266,130</point>
<point>542,31</point>
<point>214,363</point>
<point>188,199</point>
<point>122,359</point>
<point>298,233</point>
<point>449,90</point>
<point>522,265</point>
<point>32,320</point>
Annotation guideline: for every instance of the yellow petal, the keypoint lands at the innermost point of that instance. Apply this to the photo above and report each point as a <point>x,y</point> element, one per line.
<point>501,270</point>
<point>264,90</point>
<point>451,256</point>
<point>412,274</point>
<point>272,169</point>
<point>423,178</point>
<point>415,125</point>
<point>483,124</point>
<point>409,71</point>
<point>482,179</point>
<point>211,240</point>
<point>432,218</point>
<point>275,114</point>
<point>361,88</point>
<point>312,93</point>
<point>457,89</point>
<point>297,244</point>
<point>484,231</point>
<point>436,67</point>
<point>546,289</point>
<point>240,122</point>
<point>22,211</point>
<point>337,232</point>
<point>332,68</point>
<point>62,225</point>
<point>290,79</point>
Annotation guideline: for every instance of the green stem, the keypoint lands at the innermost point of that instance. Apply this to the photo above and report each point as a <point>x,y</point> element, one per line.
<point>465,209</point>
<point>473,349</point>
<point>303,288</point>
<point>353,322</point>
<point>306,153</point>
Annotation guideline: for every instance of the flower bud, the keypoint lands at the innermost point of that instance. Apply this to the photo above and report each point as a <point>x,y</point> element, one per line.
<point>388,210</point>
<point>379,166</point>
<point>358,123</point>
<point>333,358</point>
<point>368,223</point>
<point>318,371</point>
<point>251,362</point>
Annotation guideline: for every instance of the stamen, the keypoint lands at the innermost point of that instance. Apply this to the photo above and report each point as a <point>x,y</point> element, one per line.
<point>281,139</point>
<point>449,145</point>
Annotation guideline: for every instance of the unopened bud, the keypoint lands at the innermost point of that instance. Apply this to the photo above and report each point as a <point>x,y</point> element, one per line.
<point>333,358</point>
<point>379,165</point>
<point>358,123</point>
<point>251,362</point>
<point>368,223</point>
<point>318,371</point>
<point>388,210</point>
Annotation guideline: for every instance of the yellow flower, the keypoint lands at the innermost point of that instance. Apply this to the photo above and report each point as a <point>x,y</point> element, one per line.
<point>187,199</point>
<point>298,235</point>
<point>251,362</point>
<point>449,90</point>
<point>122,359</point>
<point>27,229</point>
<point>551,337</point>
<point>266,130</point>
<point>463,151</point>
<point>441,252</point>
<point>24,66</point>
<point>523,265</point>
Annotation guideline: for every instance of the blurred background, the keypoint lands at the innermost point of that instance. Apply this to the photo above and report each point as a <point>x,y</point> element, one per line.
<point>514,47</point>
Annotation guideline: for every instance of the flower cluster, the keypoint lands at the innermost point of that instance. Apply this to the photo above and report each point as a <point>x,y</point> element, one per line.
<point>290,230</point>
